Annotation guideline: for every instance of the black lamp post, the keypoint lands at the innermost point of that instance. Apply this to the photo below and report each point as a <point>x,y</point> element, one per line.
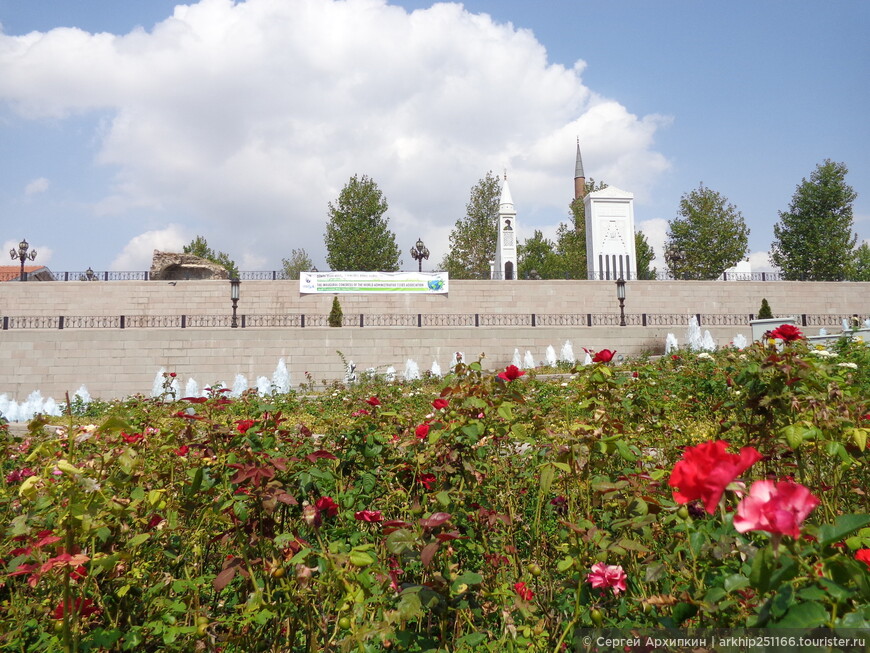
<point>89,275</point>
<point>620,295</point>
<point>418,253</point>
<point>234,295</point>
<point>23,255</point>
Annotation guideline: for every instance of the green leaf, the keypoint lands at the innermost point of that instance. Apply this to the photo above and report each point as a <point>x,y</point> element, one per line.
<point>360,559</point>
<point>564,564</point>
<point>807,614</point>
<point>735,582</point>
<point>443,497</point>
<point>548,472</point>
<point>136,540</point>
<point>401,540</point>
<point>505,411</point>
<point>714,595</point>
<point>843,526</point>
<point>762,568</point>
<point>466,578</point>
<point>683,611</point>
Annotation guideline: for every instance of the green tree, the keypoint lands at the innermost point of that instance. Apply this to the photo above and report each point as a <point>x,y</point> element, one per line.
<point>707,237</point>
<point>537,258</point>
<point>336,315</point>
<point>357,235</point>
<point>645,255</point>
<point>764,313</point>
<point>199,247</point>
<point>298,262</point>
<point>859,270</point>
<point>814,238</point>
<point>473,238</point>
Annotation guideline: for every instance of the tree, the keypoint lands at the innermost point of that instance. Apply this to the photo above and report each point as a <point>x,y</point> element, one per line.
<point>859,270</point>
<point>473,238</point>
<point>336,316</point>
<point>764,313</point>
<point>707,237</point>
<point>537,258</point>
<point>814,239</point>
<point>645,255</point>
<point>298,262</point>
<point>357,235</point>
<point>199,247</point>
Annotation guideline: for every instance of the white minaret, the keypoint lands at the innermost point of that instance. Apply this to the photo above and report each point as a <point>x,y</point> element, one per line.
<point>505,264</point>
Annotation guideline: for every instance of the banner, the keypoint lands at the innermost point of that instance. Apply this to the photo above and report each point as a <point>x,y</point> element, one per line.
<point>373,282</point>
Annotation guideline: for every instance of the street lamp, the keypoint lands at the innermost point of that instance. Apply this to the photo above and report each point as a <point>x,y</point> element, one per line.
<point>89,275</point>
<point>620,295</point>
<point>234,295</point>
<point>23,255</point>
<point>419,252</point>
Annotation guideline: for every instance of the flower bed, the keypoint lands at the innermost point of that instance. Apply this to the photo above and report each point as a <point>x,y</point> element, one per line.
<point>481,512</point>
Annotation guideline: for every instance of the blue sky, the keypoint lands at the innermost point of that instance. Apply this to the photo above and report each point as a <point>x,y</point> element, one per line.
<point>137,130</point>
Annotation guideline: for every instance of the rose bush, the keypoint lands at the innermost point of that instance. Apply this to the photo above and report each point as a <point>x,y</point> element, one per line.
<point>483,511</point>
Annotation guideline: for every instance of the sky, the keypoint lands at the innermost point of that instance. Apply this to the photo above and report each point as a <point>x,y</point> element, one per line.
<point>133,126</point>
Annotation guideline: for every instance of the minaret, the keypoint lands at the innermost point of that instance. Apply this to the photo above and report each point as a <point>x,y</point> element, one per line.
<point>505,264</point>
<point>579,175</point>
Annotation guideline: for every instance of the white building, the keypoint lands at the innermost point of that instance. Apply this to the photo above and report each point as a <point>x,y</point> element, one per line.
<point>505,264</point>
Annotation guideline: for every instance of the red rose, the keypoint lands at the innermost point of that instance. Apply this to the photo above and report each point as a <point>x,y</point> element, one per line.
<point>422,431</point>
<point>327,505</point>
<point>706,470</point>
<point>440,403</point>
<point>787,332</point>
<point>368,515</point>
<point>373,401</point>
<point>523,592</point>
<point>603,356</point>
<point>511,373</point>
<point>863,555</point>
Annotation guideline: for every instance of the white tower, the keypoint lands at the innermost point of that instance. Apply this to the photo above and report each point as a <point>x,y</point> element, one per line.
<point>505,264</point>
<point>610,251</point>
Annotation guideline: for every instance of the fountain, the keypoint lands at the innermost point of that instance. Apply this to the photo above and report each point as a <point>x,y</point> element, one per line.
<point>33,405</point>
<point>435,370</point>
<point>693,335</point>
<point>846,327</point>
<point>412,370</point>
<point>671,344</point>
<point>350,373</point>
<point>567,353</point>
<point>551,356</point>
<point>707,342</point>
<point>739,341</point>
<point>281,378</point>
<point>264,386</point>
<point>587,360</point>
<point>240,385</point>
<point>191,388</point>
<point>157,386</point>
<point>517,360</point>
<point>83,395</point>
<point>529,361</point>
<point>390,374</point>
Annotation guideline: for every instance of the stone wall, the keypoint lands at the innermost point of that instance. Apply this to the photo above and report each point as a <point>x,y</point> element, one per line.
<point>119,362</point>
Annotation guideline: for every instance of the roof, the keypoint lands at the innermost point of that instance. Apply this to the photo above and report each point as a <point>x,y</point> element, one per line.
<point>578,166</point>
<point>35,272</point>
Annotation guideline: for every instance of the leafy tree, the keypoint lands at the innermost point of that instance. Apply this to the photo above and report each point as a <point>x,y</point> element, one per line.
<point>357,235</point>
<point>645,255</point>
<point>859,270</point>
<point>298,262</point>
<point>707,237</point>
<point>199,247</point>
<point>538,255</point>
<point>473,238</point>
<point>764,313</point>
<point>814,238</point>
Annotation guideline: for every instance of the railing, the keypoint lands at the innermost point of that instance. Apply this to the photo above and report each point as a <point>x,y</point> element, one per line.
<point>280,275</point>
<point>363,320</point>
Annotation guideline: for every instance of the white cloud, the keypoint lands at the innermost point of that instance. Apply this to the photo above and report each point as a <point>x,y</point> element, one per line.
<point>246,119</point>
<point>36,186</point>
<point>138,253</point>
<point>656,232</point>
<point>760,262</point>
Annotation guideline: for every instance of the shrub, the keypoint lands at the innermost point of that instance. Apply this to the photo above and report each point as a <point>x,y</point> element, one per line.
<point>764,313</point>
<point>335,315</point>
